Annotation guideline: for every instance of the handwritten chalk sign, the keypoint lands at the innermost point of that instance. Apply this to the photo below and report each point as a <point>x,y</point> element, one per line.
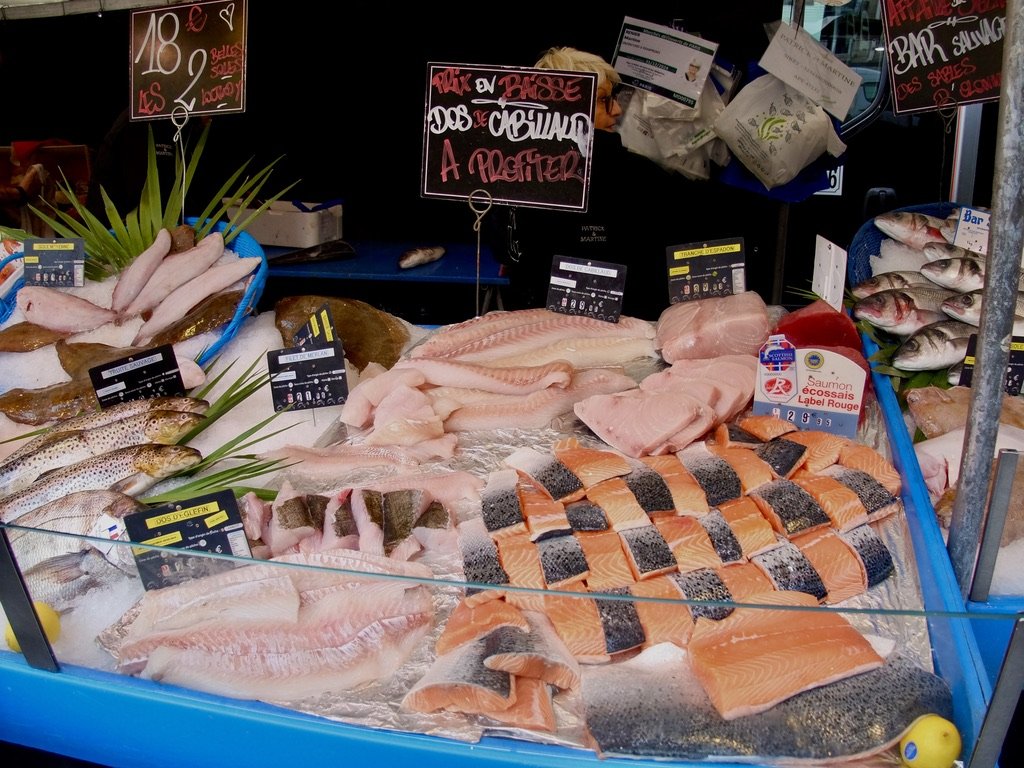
<point>943,53</point>
<point>190,57</point>
<point>523,135</point>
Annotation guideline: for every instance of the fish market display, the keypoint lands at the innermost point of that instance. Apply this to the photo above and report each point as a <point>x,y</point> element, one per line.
<point>937,345</point>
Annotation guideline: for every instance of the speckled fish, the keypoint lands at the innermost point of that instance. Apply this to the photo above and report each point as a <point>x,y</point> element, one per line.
<point>902,312</point>
<point>915,229</point>
<point>83,513</point>
<point>161,427</point>
<point>856,717</point>
<point>414,257</point>
<point>128,470</point>
<point>100,416</point>
<point>935,346</point>
<point>25,336</point>
<point>887,281</point>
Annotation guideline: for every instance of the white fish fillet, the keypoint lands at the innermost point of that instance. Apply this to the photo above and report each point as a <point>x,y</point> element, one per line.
<point>583,352</point>
<point>137,274</point>
<point>367,394</point>
<point>537,409</point>
<point>176,270</point>
<point>511,380</point>
<point>59,311</point>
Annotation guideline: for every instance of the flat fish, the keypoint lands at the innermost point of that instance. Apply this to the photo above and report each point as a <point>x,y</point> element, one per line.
<point>783,456</point>
<point>63,400</point>
<point>585,515</point>
<point>765,427</point>
<point>538,654</point>
<point>649,489</point>
<point>688,497</point>
<point>499,504</point>
<point>468,623</point>
<point>662,622</point>
<point>873,553</point>
<point>823,448</point>
<point>753,532</point>
<point>713,474</point>
<point>727,546</point>
<point>562,560</point>
<point>578,623</point>
<point>689,541</point>
<point>619,504</point>
<point>620,622</point>
<point>608,565</point>
<point>858,716</point>
<point>789,508</point>
<point>647,552</point>
<point>841,570</point>
<point>548,472</point>
<point>590,465</point>
<point>790,570</point>
<point>704,585</point>
<point>877,499</point>
<point>25,337</point>
<point>211,313</point>
<point>415,257</point>
<point>76,358</point>
<point>367,333</point>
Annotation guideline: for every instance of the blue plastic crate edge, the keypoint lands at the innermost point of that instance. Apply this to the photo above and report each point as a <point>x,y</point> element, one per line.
<point>868,238</point>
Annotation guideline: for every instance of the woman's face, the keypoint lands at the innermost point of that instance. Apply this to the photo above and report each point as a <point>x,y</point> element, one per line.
<point>608,109</point>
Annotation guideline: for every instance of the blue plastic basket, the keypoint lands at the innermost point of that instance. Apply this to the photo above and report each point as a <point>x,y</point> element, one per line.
<point>868,239</point>
<point>243,244</point>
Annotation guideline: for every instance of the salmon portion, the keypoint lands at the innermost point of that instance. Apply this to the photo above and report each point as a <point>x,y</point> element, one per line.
<point>822,447</point>
<point>751,470</point>
<point>578,624</point>
<point>609,568</point>
<point>459,682</point>
<point>590,465</point>
<point>754,533</point>
<point>619,504</point>
<point>468,623</point>
<point>662,622</point>
<point>744,581</point>
<point>838,564</point>
<point>689,542</point>
<point>542,513</point>
<point>765,427</point>
<point>521,561</point>
<point>647,552</point>
<point>843,507</point>
<point>541,655</point>
<point>754,658</point>
<point>531,709</point>
<point>789,508</point>
<point>687,495</point>
<point>733,436</point>
<point>867,459</point>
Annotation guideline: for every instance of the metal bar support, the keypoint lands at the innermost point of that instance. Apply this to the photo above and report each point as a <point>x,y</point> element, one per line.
<point>995,521</point>
<point>965,153</point>
<point>997,720</point>
<point>18,606</point>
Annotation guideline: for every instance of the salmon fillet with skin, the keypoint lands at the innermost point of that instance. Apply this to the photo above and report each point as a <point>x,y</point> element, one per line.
<point>838,564</point>
<point>468,623</point>
<point>521,560</point>
<point>765,427</point>
<point>688,496</point>
<point>754,533</point>
<point>578,624</point>
<point>755,658</point>
<point>619,504</point>
<point>609,568</point>
<point>532,709</point>
<point>543,515</point>
<point>541,655</point>
<point>745,581</point>
<point>663,622</point>
<point>689,542</point>
<point>843,507</point>
<point>590,465</point>
<point>867,459</point>
<point>822,448</point>
<point>752,471</point>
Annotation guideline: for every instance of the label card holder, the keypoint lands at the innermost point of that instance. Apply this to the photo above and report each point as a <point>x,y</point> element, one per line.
<point>308,377</point>
<point>1014,366</point>
<point>972,230</point>
<point>318,331</point>
<point>708,268</point>
<point>208,523</point>
<point>152,373</point>
<point>586,287</point>
<point>55,263</point>
<point>829,272</point>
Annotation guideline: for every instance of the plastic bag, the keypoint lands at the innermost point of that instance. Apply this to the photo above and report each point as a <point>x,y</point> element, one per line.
<point>776,131</point>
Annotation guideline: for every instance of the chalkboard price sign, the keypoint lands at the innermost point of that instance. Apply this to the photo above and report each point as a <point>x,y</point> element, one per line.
<point>189,57</point>
<point>944,53</point>
<point>522,135</point>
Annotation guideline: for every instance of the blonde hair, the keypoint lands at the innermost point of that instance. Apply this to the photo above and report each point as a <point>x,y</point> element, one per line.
<point>579,61</point>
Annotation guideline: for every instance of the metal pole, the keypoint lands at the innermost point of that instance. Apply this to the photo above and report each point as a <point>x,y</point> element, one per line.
<point>996,725</point>
<point>1001,276</point>
<point>965,153</point>
<point>995,521</point>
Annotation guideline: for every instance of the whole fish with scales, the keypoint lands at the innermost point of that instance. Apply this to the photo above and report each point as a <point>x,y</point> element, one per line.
<point>901,312</point>
<point>935,346</point>
<point>916,229</point>
<point>887,281</point>
<point>966,307</point>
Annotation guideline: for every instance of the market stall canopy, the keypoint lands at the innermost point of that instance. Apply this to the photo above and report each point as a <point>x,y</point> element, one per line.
<point>31,9</point>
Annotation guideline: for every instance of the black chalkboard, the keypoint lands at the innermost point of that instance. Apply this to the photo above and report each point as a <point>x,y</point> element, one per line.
<point>522,135</point>
<point>189,57</point>
<point>944,53</point>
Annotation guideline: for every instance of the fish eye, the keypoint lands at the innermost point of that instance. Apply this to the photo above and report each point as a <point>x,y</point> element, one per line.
<point>968,301</point>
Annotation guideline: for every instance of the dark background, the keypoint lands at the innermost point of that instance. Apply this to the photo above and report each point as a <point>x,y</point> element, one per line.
<point>338,91</point>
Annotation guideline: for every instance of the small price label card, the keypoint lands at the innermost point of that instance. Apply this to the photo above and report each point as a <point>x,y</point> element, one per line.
<point>710,268</point>
<point>152,373</point>
<point>1014,366</point>
<point>308,377</point>
<point>586,287</point>
<point>972,230</point>
<point>829,272</point>
<point>209,523</point>
<point>318,331</point>
<point>813,388</point>
<point>55,263</point>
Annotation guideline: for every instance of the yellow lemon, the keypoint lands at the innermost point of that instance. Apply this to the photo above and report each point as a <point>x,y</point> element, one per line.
<point>931,742</point>
<point>48,617</point>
